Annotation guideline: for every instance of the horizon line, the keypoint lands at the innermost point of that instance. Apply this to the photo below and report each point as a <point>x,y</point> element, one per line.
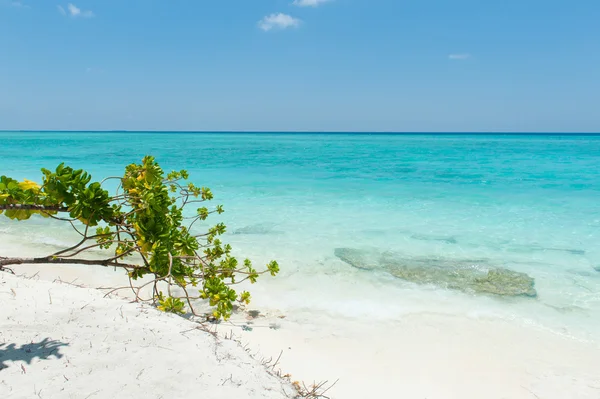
<point>311,132</point>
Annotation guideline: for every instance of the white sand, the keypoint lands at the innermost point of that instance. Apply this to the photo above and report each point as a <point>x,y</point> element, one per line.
<point>59,341</point>
<point>431,356</point>
<point>421,355</point>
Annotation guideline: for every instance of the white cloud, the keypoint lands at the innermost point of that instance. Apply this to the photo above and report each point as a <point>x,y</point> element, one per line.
<point>462,56</point>
<point>75,12</point>
<point>278,21</point>
<point>18,4</point>
<point>309,3</point>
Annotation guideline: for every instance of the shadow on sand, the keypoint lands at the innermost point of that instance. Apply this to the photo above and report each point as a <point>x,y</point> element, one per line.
<point>42,350</point>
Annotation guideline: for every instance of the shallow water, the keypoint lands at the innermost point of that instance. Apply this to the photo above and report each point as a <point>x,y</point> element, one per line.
<point>526,203</point>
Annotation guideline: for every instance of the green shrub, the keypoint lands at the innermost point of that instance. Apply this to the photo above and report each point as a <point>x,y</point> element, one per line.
<point>144,227</point>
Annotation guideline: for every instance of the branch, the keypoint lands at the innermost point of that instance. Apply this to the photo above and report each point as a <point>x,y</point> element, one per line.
<point>62,254</point>
<point>63,261</point>
<point>84,239</point>
<point>33,207</point>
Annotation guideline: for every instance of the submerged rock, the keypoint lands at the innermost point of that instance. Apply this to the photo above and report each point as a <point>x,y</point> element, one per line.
<point>507,282</point>
<point>537,248</point>
<point>582,273</point>
<point>597,268</point>
<point>261,228</point>
<point>468,275</point>
<point>424,237</point>
<point>366,260</point>
<point>567,309</point>
<point>567,250</point>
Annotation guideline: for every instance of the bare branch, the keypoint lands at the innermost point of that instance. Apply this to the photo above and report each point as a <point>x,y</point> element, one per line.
<point>63,261</point>
<point>84,239</point>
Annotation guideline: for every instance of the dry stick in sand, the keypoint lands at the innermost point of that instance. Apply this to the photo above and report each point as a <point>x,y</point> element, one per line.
<point>316,391</point>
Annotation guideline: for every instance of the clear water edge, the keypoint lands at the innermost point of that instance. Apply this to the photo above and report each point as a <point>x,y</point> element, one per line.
<point>528,203</point>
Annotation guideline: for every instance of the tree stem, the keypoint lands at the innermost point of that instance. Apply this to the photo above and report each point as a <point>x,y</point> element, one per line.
<point>33,207</point>
<point>63,261</point>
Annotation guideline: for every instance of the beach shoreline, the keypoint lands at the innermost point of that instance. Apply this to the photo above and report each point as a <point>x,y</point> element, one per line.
<point>433,355</point>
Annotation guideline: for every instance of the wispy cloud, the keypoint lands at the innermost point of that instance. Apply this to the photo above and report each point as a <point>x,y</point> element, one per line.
<point>75,12</point>
<point>309,3</point>
<point>17,4</point>
<point>459,56</point>
<point>278,21</point>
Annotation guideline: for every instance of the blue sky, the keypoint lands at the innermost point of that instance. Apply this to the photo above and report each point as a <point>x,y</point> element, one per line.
<point>337,65</point>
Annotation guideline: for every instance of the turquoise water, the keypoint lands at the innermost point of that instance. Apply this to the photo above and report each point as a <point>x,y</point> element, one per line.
<point>527,203</point>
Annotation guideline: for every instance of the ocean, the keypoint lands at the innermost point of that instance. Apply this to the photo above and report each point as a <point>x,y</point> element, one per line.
<point>527,203</point>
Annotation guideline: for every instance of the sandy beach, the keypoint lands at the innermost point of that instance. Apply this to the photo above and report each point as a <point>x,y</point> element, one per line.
<point>60,341</point>
<point>434,356</point>
<point>418,356</point>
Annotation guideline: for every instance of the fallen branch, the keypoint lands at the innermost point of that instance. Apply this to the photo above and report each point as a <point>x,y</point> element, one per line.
<point>65,261</point>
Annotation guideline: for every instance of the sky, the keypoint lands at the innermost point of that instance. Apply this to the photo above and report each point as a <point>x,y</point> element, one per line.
<point>301,65</point>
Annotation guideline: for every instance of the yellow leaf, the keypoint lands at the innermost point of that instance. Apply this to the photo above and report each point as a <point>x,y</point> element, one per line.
<point>28,185</point>
<point>145,247</point>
